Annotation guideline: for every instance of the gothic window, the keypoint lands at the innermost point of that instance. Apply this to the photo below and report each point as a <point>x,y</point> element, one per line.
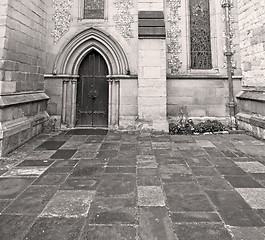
<point>94,9</point>
<point>200,34</point>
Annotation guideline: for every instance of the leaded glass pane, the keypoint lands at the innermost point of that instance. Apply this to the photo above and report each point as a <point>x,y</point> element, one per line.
<point>94,9</point>
<point>200,34</point>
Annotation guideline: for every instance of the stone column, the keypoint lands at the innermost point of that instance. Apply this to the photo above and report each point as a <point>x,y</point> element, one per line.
<point>65,81</point>
<point>152,100</point>
<point>110,102</point>
<point>73,102</point>
<point>114,100</point>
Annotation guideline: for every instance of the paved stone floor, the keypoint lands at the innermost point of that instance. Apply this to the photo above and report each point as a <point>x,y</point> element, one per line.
<point>90,184</point>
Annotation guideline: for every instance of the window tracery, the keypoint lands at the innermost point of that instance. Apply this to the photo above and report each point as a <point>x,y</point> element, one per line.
<point>94,9</point>
<point>200,34</point>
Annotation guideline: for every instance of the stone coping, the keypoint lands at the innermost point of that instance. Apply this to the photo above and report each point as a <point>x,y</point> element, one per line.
<point>12,127</point>
<point>252,119</point>
<point>201,76</point>
<point>252,95</point>
<point>60,76</point>
<point>66,76</point>
<point>21,98</point>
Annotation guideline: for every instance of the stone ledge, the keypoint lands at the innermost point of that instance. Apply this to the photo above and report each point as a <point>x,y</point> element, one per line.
<point>254,124</point>
<point>16,132</point>
<point>160,125</point>
<point>252,95</point>
<point>255,120</point>
<point>18,125</point>
<point>21,98</point>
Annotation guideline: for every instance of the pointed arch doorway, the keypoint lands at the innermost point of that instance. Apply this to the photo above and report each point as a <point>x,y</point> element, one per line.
<point>92,92</point>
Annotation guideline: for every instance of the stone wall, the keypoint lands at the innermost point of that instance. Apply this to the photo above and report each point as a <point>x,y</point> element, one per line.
<point>252,44</point>
<point>23,54</point>
<point>25,45</point>
<point>201,97</point>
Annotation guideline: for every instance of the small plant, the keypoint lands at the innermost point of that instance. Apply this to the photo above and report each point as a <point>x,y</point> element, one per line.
<point>51,125</point>
<point>191,128</point>
<point>209,126</point>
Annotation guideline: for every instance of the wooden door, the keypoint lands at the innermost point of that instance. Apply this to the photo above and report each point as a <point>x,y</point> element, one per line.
<point>92,92</point>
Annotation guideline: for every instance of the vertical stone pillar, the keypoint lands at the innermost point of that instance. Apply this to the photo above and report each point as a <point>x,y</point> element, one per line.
<point>152,100</point>
<point>114,100</point>
<point>110,102</point>
<point>65,81</point>
<point>117,101</point>
<point>73,102</point>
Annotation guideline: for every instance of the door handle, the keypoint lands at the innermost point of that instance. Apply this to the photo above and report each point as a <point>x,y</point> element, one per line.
<point>93,94</point>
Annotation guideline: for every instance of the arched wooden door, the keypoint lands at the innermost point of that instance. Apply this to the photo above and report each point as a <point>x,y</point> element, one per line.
<point>92,92</point>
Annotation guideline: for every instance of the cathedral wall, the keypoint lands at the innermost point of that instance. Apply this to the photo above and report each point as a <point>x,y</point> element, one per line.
<point>23,102</point>
<point>252,44</point>
<point>204,92</point>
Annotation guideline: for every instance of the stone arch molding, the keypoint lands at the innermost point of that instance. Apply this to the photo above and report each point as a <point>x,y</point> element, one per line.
<point>72,54</point>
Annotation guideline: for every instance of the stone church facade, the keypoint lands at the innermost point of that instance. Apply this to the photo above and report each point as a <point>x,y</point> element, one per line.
<point>127,64</point>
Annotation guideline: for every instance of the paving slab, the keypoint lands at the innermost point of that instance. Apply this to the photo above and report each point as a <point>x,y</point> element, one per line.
<point>40,155</point>
<point>35,163</point>
<point>205,143</point>
<point>25,172</point>
<point>189,203</point>
<point>87,170</point>
<point>81,154</point>
<point>183,188</point>
<point>155,224</point>
<point>232,170</point>
<point>63,154</point>
<point>107,154</point>
<point>146,161</point>
<point>4,203</point>
<point>69,203</point>
<point>10,188</point>
<point>233,216</point>
<point>205,171</point>
<point>105,232</point>
<point>197,161</point>
<point>242,182</point>
<point>222,199</point>
<point>50,179</point>
<point>117,185</point>
<point>120,169</point>
<point>14,226</point>
<point>55,228</point>
<point>150,196</point>
<point>174,168</point>
<point>113,211</point>
<point>214,183</point>
<point>202,231</point>
<point>125,161</point>
<point>170,178</point>
<point>255,197</point>
<point>252,167</point>
<point>80,184</point>
<point>32,200</point>
<point>51,145</point>
<point>195,217</point>
<point>247,233</point>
